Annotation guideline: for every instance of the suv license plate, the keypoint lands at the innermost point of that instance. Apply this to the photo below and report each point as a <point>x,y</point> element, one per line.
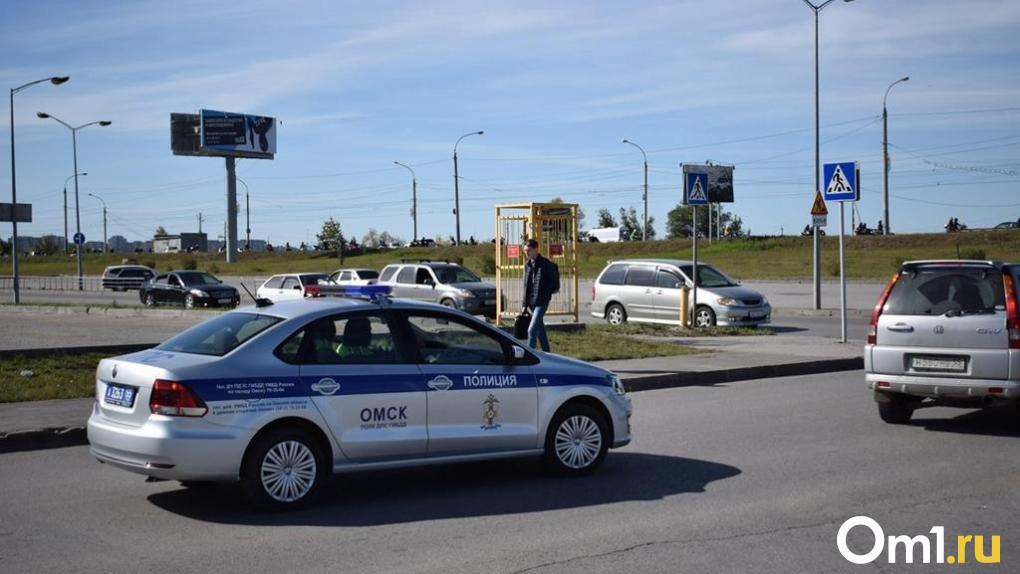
<point>224,301</point>
<point>120,396</point>
<point>943,364</point>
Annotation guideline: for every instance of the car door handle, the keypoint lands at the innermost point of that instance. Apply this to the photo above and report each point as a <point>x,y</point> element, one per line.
<point>648,291</point>
<point>659,292</point>
<point>440,384</point>
<point>901,328</point>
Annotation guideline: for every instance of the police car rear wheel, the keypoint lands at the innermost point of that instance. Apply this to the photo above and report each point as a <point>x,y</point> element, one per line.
<point>576,441</point>
<point>282,470</point>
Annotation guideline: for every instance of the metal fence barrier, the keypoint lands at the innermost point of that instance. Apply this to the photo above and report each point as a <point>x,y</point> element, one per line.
<point>52,283</point>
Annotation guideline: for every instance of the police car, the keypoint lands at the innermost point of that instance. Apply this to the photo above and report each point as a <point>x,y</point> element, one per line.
<point>279,396</point>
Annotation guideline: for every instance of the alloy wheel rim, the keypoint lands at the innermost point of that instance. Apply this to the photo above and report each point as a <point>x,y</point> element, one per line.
<point>615,316</point>
<point>288,471</point>
<point>578,442</point>
<point>704,320</point>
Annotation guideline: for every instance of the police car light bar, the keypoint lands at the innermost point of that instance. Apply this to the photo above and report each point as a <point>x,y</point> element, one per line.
<point>371,292</point>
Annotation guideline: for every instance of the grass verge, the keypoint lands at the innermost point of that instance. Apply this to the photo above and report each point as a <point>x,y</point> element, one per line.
<point>598,343</point>
<point>65,376</point>
<point>653,330</point>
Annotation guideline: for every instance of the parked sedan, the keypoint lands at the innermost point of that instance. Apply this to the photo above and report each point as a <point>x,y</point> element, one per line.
<point>124,277</point>
<point>291,286</point>
<point>354,277</point>
<point>649,291</point>
<point>188,288</point>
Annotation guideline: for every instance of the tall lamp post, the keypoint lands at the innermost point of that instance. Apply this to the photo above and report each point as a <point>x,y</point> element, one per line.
<point>644,226</point>
<point>818,161</point>
<point>456,181</point>
<point>74,147</point>
<point>247,216</point>
<point>69,178</point>
<point>885,156</point>
<point>56,81</point>
<point>414,198</point>
<point>106,244</point>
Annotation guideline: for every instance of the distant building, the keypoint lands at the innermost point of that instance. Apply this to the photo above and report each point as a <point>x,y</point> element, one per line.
<point>183,242</point>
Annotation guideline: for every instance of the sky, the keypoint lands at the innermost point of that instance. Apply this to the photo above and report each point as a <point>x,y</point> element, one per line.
<point>555,86</point>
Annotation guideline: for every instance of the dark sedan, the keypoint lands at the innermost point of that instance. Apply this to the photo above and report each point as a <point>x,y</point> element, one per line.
<point>188,288</point>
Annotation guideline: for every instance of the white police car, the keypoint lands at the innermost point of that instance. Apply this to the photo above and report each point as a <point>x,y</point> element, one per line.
<point>279,396</point>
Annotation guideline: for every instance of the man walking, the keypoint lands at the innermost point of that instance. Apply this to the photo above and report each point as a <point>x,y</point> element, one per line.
<point>541,280</point>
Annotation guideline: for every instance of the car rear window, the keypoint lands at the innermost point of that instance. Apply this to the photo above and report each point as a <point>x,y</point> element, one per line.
<point>938,290</point>
<point>313,279</point>
<point>368,274</point>
<point>613,275</point>
<point>219,336</point>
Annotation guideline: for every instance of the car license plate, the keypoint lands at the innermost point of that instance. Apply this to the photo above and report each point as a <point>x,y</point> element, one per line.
<point>754,315</point>
<point>224,301</point>
<point>490,302</point>
<point>943,364</point>
<point>120,396</point>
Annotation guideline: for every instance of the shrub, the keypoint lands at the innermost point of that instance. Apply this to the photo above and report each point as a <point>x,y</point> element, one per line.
<point>488,265</point>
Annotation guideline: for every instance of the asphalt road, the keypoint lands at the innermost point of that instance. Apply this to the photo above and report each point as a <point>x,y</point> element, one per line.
<point>751,477</point>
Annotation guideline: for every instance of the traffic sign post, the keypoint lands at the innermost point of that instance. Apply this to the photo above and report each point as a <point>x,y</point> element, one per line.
<point>842,185</point>
<point>695,194</point>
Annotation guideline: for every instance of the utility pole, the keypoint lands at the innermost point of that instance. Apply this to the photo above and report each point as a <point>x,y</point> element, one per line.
<point>644,196</point>
<point>200,222</point>
<point>885,157</point>
<point>247,224</point>
<point>456,181</point>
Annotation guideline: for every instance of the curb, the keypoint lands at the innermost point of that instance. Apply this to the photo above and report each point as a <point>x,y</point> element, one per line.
<point>795,312</point>
<point>47,438</point>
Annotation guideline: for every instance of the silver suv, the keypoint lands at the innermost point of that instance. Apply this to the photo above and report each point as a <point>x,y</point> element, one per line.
<point>945,333</point>
<point>442,282</point>
<point>649,291</point>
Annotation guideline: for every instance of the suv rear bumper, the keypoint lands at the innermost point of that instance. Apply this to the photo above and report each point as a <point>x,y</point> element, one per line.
<point>944,387</point>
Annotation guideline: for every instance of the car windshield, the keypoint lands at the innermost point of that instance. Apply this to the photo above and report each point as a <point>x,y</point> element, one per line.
<point>455,274</point>
<point>198,278</point>
<point>709,276</point>
<point>219,336</point>
<point>313,279</point>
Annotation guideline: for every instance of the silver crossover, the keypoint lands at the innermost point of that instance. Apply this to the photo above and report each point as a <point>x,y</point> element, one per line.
<point>650,291</point>
<point>278,397</point>
<point>945,333</point>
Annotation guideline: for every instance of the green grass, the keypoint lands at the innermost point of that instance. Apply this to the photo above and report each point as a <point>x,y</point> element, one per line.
<point>600,344</point>
<point>55,377</point>
<point>653,330</point>
<point>868,257</point>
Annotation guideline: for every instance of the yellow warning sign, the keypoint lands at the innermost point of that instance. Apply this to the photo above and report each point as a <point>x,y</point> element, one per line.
<point>818,207</point>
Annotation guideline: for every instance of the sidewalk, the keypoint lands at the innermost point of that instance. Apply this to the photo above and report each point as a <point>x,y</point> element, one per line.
<point>59,423</point>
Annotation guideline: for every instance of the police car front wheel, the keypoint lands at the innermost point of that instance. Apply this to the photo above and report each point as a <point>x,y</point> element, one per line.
<point>283,469</point>
<point>576,442</point>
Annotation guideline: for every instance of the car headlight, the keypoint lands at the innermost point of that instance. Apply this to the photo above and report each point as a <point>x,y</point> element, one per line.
<point>617,384</point>
<point>727,301</point>
<point>466,293</point>
<point>199,293</point>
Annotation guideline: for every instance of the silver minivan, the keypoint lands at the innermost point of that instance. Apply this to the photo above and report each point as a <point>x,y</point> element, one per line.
<point>446,283</point>
<point>945,333</point>
<point>649,291</point>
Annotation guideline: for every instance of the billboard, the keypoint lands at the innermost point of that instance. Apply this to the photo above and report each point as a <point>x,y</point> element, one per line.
<point>238,135</point>
<point>720,181</point>
<point>184,134</point>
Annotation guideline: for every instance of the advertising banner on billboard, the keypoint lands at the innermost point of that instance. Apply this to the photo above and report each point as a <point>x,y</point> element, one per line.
<point>240,135</point>
<point>720,183</point>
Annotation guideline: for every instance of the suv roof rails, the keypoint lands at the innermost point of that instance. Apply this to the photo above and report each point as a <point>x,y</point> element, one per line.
<point>447,261</point>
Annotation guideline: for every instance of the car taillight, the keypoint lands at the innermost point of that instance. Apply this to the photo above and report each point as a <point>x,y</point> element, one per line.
<point>1012,310</point>
<point>877,311</point>
<point>175,399</point>
<point>311,290</point>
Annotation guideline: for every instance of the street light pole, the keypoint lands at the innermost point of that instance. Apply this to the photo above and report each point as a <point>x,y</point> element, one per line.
<point>885,156</point>
<point>644,226</point>
<point>69,178</point>
<point>817,248</point>
<point>106,245</point>
<point>56,81</point>
<point>414,198</point>
<point>456,181</point>
<point>77,212</point>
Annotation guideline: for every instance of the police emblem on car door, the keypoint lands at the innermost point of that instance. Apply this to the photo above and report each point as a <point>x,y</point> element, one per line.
<point>372,399</point>
<point>468,373</point>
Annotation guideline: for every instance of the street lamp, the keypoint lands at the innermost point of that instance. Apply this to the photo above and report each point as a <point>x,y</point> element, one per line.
<point>456,181</point>
<point>247,215</point>
<point>56,81</point>
<point>106,246</point>
<point>885,156</point>
<point>644,226</point>
<point>818,160</point>
<point>74,147</point>
<point>69,178</point>
<point>414,196</point>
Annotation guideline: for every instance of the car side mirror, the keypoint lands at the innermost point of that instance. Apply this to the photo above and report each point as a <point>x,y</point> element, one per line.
<point>518,352</point>
<point>297,287</point>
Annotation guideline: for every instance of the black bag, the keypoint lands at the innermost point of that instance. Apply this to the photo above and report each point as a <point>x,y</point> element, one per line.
<point>521,326</point>
<point>554,279</point>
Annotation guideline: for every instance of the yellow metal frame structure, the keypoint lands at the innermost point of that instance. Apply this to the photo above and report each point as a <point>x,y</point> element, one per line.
<point>554,226</point>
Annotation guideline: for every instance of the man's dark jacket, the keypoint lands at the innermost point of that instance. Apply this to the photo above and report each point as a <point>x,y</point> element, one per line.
<point>539,282</point>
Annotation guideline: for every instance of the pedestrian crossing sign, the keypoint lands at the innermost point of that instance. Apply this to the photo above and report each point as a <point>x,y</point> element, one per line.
<point>696,189</point>
<point>841,181</point>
